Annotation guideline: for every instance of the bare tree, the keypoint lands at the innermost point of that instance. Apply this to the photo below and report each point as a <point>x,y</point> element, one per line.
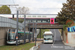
<point>23,10</point>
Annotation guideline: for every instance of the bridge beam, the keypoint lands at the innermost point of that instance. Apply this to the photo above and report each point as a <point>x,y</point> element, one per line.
<point>48,26</point>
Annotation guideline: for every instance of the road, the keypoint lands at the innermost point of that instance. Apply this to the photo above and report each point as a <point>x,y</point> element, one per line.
<point>58,44</point>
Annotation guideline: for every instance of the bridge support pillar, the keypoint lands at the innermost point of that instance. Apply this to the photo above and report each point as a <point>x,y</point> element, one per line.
<point>62,34</point>
<point>40,33</point>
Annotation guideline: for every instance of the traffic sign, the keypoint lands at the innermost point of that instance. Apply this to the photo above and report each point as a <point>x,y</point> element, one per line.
<point>71,29</point>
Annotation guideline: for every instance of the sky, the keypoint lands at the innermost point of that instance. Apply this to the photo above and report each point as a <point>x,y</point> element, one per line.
<point>37,6</point>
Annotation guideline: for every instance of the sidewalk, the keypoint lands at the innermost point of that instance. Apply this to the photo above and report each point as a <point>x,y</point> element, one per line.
<point>36,42</point>
<point>72,45</point>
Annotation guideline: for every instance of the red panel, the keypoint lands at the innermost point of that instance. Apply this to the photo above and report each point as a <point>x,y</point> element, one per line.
<point>52,21</point>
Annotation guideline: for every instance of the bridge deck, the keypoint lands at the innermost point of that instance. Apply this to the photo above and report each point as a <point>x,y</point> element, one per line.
<point>47,25</point>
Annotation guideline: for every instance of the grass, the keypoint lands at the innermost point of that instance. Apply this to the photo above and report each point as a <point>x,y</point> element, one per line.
<point>42,31</point>
<point>26,46</point>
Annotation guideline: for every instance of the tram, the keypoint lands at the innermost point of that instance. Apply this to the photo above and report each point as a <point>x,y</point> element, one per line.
<point>11,36</point>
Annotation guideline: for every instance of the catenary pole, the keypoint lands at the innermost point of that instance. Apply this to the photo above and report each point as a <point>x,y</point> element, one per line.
<point>17,30</point>
<point>29,31</point>
<point>24,28</point>
<point>33,31</point>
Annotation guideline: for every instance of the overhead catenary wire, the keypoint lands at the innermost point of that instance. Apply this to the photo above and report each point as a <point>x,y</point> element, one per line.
<point>14,3</point>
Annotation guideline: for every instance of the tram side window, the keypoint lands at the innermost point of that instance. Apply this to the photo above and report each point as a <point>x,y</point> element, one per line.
<point>20,35</point>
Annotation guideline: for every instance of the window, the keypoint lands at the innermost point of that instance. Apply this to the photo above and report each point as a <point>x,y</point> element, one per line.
<point>48,37</point>
<point>43,21</point>
<point>28,16</point>
<point>21,36</point>
<point>11,36</point>
<point>34,16</point>
<point>39,16</point>
<point>39,21</point>
<point>33,20</point>
<point>44,16</point>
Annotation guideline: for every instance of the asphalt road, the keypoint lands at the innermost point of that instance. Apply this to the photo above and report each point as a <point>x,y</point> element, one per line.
<point>58,44</point>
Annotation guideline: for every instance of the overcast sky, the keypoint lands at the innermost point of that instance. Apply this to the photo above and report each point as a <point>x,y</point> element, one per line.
<point>37,6</point>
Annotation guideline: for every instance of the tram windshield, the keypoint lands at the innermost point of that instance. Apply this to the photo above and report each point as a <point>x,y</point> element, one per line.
<point>11,35</point>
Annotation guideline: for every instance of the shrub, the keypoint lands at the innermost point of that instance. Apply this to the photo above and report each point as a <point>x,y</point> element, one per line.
<point>64,26</point>
<point>69,22</point>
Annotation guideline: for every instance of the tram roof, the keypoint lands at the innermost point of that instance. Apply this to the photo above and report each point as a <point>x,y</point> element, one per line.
<point>27,32</point>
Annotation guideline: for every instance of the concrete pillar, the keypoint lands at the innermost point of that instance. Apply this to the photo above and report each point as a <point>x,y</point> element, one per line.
<point>40,33</point>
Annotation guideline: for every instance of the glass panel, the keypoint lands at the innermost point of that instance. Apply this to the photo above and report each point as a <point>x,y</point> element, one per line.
<point>39,21</point>
<point>48,37</point>
<point>33,20</point>
<point>11,36</point>
<point>34,16</point>
<point>21,35</point>
<point>39,16</point>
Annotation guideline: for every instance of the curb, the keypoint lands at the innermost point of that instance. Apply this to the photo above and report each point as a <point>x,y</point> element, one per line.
<point>36,47</point>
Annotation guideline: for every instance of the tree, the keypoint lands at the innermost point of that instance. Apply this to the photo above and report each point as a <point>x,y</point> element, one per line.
<point>5,10</point>
<point>67,12</point>
<point>23,10</point>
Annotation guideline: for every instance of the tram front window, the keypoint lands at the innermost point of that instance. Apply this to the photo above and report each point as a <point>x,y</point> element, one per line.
<point>11,36</point>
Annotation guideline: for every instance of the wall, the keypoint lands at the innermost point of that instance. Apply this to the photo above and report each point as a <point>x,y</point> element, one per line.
<point>64,36</point>
<point>71,37</point>
<point>3,31</point>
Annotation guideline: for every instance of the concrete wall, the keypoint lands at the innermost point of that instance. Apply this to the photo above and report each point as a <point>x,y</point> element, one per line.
<point>3,31</point>
<point>71,37</point>
<point>64,37</point>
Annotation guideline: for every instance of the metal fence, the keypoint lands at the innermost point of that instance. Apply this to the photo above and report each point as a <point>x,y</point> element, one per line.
<point>6,22</point>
